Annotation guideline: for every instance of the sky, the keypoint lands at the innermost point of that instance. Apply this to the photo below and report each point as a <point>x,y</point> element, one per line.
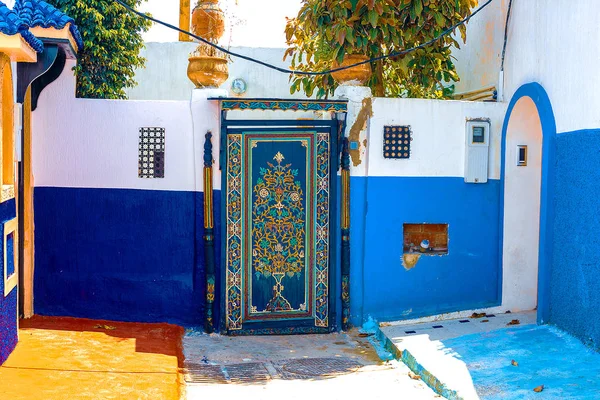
<point>251,23</point>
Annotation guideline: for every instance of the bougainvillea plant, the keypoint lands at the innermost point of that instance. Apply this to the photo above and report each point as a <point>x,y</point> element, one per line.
<point>325,31</point>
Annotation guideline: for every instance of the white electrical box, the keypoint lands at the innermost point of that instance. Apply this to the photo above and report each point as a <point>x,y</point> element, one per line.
<point>477,151</point>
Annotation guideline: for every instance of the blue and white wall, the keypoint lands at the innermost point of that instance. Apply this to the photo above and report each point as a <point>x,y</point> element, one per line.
<point>107,243</point>
<point>550,74</point>
<point>427,188</point>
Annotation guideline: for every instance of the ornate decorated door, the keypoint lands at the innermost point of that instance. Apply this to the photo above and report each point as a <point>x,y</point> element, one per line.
<point>277,189</point>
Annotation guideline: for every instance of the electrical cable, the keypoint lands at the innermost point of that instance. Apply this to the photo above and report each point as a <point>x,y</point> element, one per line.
<point>305,73</point>
<point>505,34</point>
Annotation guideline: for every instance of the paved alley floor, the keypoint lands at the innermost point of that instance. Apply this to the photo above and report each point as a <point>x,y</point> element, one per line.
<point>498,357</point>
<point>544,356</point>
<point>335,366</point>
<point>73,359</point>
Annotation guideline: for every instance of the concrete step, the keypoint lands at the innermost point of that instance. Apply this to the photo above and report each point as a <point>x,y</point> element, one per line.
<point>421,347</point>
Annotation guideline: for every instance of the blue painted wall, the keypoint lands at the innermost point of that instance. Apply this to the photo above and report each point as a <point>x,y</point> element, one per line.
<point>120,254</point>
<point>466,278</point>
<point>575,277</point>
<point>8,304</point>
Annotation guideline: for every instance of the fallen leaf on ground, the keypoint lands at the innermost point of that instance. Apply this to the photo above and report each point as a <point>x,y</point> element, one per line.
<point>513,362</point>
<point>478,315</point>
<point>414,376</point>
<point>514,322</point>
<point>485,320</point>
<point>539,389</point>
<point>365,334</point>
<point>105,327</point>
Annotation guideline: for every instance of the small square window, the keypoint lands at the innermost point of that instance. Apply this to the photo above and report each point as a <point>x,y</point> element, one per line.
<point>522,156</point>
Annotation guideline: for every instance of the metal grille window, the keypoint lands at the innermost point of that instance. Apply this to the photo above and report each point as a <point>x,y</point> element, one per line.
<point>151,154</point>
<point>396,142</point>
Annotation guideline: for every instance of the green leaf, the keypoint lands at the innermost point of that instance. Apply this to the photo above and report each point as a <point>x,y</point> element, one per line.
<point>373,18</point>
<point>418,4</point>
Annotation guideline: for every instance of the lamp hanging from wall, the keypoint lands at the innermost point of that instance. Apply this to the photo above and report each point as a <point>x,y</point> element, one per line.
<point>208,66</point>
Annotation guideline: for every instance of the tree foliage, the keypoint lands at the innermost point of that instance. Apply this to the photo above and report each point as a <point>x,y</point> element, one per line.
<point>325,31</point>
<point>112,43</point>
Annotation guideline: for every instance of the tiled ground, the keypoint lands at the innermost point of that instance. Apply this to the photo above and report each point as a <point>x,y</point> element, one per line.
<point>335,366</point>
<point>441,330</point>
<point>67,358</point>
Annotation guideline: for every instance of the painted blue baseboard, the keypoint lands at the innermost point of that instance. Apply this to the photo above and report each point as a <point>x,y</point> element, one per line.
<point>466,278</point>
<point>119,254</point>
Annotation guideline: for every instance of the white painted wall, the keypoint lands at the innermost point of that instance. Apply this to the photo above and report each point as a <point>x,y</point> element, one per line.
<point>439,133</point>
<point>522,209</point>
<point>87,143</point>
<point>478,61</point>
<point>94,143</point>
<point>552,42</point>
<point>165,74</point>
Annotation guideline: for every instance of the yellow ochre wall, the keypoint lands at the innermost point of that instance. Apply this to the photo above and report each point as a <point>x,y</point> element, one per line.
<point>184,20</point>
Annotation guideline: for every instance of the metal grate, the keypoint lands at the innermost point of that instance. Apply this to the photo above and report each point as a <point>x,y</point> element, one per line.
<point>310,368</point>
<point>396,142</point>
<point>204,373</point>
<point>247,372</point>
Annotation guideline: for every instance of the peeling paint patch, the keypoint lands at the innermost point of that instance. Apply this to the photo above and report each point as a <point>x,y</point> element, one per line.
<point>360,124</point>
<point>409,261</point>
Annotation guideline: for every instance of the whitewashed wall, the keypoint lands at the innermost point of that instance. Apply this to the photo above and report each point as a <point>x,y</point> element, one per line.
<point>478,61</point>
<point>165,74</point>
<point>94,143</point>
<point>522,208</point>
<point>439,136</point>
<point>552,42</point>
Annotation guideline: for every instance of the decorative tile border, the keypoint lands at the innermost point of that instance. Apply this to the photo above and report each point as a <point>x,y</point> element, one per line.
<point>322,240</point>
<point>234,231</point>
<point>283,105</point>
<point>8,192</point>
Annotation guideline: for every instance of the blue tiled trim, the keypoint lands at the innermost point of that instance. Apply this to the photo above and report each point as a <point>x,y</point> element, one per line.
<point>35,13</point>
<point>11,24</point>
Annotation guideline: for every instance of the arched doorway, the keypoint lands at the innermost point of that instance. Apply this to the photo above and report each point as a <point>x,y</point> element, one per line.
<point>526,201</point>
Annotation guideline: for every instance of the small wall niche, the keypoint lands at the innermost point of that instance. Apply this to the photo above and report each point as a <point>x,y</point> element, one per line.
<point>434,238</point>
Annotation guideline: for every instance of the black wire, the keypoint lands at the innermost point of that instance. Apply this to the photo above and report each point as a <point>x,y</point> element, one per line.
<point>287,71</point>
<point>505,35</point>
